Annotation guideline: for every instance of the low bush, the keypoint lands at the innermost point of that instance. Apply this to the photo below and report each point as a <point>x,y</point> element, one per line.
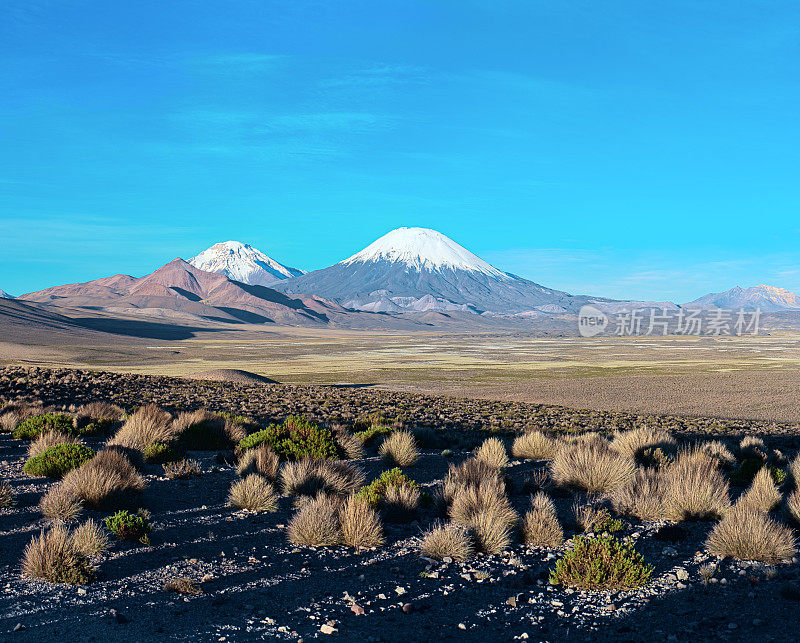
<point>493,452</point>
<point>182,585</point>
<point>348,443</point>
<point>447,541</point>
<point>360,524</point>
<point>650,447</point>
<point>159,453</point>
<point>49,439</point>
<point>400,448</point>
<point>316,523</point>
<point>374,492</point>
<point>97,418</point>
<point>695,489</point>
<point>203,431</point>
<point>485,510</point>
<point>34,426</point>
<point>54,557</point>
<point>368,436</point>
<point>294,439</point>
<point>128,526</point>
<point>643,497</point>
<point>719,452</point>
<point>753,447</point>
<point>748,534</point>
<point>401,503</point>
<point>534,445</point>
<point>106,480</point>
<point>146,426</point>
<point>792,506</point>
<point>253,493</point>
<point>601,563</point>
<point>308,477</point>
<point>593,518</point>
<point>182,469</point>
<point>593,466</point>
<point>57,460</point>
<point>261,460</point>
<point>470,473</point>
<point>762,495</point>
<point>540,526</point>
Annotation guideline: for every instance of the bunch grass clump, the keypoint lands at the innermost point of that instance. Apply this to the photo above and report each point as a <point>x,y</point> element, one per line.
<point>375,491</point>
<point>296,438</point>
<point>96,418</point>
<point>447,541</point>
<point>316,523</point>
<point>261,460</point>
<point>89,539</point>
<point>204,431</point>
<point>60,503</point>
<point>107,479</point>
<point>253,493</point>
<point>695,488</point>
<point>56,461</point>
<point>595,518</point>
<point>49,439</point>
<point>763,494</point>
<point>360,525</point>
<point>593,466</point>
<point>309,477</point>
<point>493,452</point>
<point>486,511</point>
<point>642,497</point>
<point>400,448</point>
<point>749,534</point>
<point>401,502</point>
<point>7,498</point>
<point>146,426</point>
<point>182,585</point>
<point>601,563</point>
<point>534,445</point>
<point>540,526</point>
<point>645,445</point>
<point>182,469</point>
<point>54,557</point>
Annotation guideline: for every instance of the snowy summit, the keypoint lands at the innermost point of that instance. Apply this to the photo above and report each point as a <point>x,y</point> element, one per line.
<point>244,263</point>
<point>423,249</point>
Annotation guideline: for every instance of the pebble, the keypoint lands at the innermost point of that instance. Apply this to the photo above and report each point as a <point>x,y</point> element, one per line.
<point>327,629</point>
<point>357,610</point>
<point>19,627</point>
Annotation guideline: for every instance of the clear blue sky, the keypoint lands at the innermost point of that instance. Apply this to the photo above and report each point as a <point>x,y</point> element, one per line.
<point>628,149</point>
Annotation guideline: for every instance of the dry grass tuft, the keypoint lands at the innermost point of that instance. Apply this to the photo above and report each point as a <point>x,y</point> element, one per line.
<point>749,534</point>
<point>253,493</point>
<point>360,525</point>
<point>642,497</point>
<point>349,444</point>
<point>793,506</point>
<point>147,425</point>
<point>6,495</point>
<point>794,471</point>
<point>485,509</point>
<point>540,526</point>
<point>89,539</point>
<point>447,541</point>
<point>591,517</point>
<point>753,447</point>
<point>316,523</point>
<point>649,446</point>
<point>182,469</point>
<point>762,495</point>
<point>470,473</point>
<point>261,460</point>
<point>401,502</point>
<point>400,448</point>
<point>308,477</point>
<point>53,556</point>
<point>593,466</point>
<point>107,479</point>
<point>49,439</point>
<point>492,452</point>
<point>534,445</point>
<point>718,451</point>
<point>98,411</point>
<point>60,504</point>
<point>182,585</point>
<point>695,488</point>
<point>205,431</point>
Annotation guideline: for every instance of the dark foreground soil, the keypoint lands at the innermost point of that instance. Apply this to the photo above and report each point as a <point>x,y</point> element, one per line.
<point>257,586</point>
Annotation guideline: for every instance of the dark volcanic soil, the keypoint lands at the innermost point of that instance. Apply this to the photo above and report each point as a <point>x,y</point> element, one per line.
<point>257,586</point>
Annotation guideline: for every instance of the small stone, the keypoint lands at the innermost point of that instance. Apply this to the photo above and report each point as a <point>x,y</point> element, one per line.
<point>681,585</point>
<point>732,626</point>
<point>447,559</point>
<point>19,627</point>
<point>682,574</point>
<point>466,576</point>
<point>82,591</point>
<point>327,629</point>
<point>555,603</point>
<point>399,590</point>
<point>408,608</point>
<point>382,597</point>
<point>723,581</point>
<point>461,626</point>
<point>357,610</point>
<point>511,601</point>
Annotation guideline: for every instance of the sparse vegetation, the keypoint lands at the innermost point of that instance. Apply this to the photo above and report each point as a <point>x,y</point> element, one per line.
<point>695,489</point>
<point>308,477</point>
<point>762,495</point>
<point>261,460</point>
<point>253,493</point>
<point>89,539</point>
<point>60,503</point>
<point>97,418</point>
<point>106,480</point>
<point>650,447</point>
<point>204,431</point>
<point>7,498</point>
<point>49,439</point>
<point>146,426</point>
<point>485,510</point>
<point>57,460</point>
<point>643,497</point>
<point>594,518</point>
<point>400,448</point>
<point>182,585</point>
<point>375,491</point>
<point>601,562</point>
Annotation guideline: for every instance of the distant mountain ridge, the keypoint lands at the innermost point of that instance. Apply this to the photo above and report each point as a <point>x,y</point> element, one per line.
<point>767,298</point>
<point>244,263</point>
<point>5,295</point>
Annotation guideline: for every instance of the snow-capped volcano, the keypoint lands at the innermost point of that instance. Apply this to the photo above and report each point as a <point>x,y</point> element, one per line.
<point>5,295</point>
<point>417,269</point>
<point>423,249</point>
<point>767,298</point>
<point>244,263</point>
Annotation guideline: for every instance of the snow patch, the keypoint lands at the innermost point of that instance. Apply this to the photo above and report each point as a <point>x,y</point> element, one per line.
<point>244,263</point>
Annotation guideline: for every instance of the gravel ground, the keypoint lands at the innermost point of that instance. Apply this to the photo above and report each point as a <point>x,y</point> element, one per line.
<point>255,585</point>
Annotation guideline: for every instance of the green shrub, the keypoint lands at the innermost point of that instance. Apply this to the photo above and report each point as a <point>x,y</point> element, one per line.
<point>748,469</point>
<point>159,453</point>
<point>373,492</point>
<point>97,427</point>
<point>367,436</point>
<point>294,439</point>
<point>601,562</point>
<point>56,461</point>
<point>129,526</point>
<point>38,424</point>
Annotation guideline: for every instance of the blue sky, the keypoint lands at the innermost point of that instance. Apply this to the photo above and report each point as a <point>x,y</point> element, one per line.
<point>628,149</point>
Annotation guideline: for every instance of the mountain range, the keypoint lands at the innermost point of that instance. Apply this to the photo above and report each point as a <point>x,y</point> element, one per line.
<point>409,277</point>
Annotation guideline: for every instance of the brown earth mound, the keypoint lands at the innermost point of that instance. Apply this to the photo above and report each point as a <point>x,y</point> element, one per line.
<point>231,375</point>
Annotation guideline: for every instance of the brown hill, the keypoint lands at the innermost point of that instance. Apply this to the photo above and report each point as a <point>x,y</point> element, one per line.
<point>179,286</point>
